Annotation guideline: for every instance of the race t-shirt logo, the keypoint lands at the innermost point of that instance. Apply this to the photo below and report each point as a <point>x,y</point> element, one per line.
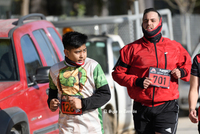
<point>72,80</point>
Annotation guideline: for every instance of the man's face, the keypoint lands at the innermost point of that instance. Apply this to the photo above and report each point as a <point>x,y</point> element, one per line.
<point>150,21</point>
<point>77,55</point>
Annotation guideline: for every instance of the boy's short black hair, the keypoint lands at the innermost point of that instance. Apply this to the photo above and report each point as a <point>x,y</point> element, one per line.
<point>74,40</point>
<point>151,10</point>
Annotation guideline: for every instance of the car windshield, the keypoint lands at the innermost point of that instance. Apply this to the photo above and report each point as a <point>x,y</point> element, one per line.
<point>7,66</point>
<point>97,51</point>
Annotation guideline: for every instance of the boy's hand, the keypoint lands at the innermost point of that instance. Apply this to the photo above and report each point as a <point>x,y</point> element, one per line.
<point>75,102</point>
<point>54,103</point>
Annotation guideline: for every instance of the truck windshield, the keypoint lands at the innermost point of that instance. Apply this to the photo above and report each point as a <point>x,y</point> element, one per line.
<point>7,66</point>
<point>98,52</point>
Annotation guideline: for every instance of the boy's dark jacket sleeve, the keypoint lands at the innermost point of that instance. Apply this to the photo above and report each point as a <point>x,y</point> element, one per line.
<point>98,99</point>
<point>52,94</point>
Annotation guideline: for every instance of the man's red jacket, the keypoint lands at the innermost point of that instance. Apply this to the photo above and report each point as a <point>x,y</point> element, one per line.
<point>139,56</point>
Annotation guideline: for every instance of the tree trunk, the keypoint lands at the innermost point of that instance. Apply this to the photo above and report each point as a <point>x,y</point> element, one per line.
<point>25,7</point>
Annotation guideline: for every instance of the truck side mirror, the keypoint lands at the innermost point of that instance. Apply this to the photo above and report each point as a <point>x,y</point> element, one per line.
<point>42,74</point>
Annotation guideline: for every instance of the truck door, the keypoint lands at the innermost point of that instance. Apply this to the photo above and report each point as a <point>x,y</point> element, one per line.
<point>40,117</point>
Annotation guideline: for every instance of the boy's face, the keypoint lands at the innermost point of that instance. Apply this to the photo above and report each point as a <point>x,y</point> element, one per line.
<point>77,55</point>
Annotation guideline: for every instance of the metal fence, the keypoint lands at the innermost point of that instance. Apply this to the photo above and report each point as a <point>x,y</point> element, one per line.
<point>127,26</point>
<point>194,30</point>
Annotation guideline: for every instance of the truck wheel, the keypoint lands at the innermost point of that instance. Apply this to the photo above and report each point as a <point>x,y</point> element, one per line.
<point>108,122</point>
<point>14,131</point>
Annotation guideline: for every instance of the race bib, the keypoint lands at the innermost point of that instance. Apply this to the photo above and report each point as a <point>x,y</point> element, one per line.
<point>161,77</point>
<point>66,107</point>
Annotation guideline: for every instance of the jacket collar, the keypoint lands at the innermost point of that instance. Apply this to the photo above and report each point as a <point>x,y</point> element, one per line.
<point>161,39</point>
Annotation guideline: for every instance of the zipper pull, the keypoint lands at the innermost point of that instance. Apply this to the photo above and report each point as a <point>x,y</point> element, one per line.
<point>166,59</point>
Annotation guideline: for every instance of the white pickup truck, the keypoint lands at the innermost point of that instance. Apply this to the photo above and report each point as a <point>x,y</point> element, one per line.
<point>117,113</point>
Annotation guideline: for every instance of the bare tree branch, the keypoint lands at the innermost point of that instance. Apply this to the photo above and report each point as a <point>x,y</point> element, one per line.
<point>171,4</point>
<point>197,4</point>
<point>192,6</point>
<point>182,4</point>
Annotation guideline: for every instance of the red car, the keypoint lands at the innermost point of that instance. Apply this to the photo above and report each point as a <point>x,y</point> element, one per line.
<point>27,45</point>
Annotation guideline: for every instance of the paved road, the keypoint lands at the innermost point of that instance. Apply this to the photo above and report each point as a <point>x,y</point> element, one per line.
<point>186,127</point>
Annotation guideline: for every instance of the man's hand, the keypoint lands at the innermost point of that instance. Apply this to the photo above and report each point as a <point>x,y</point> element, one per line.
<point>75,102</point>
<point>54,103</point>
<point>192,116</point>
<point>176,73</point>
<point>147,82</point>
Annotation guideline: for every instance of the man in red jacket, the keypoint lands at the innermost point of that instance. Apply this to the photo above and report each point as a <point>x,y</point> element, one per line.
<point>150,68</point>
